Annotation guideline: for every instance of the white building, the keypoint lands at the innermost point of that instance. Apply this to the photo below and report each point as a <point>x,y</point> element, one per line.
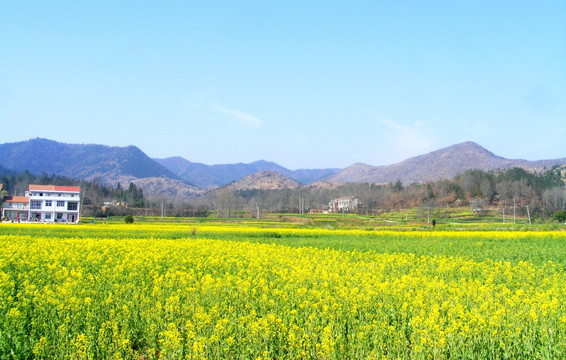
<point>52,203</point>
<point>344,204</point>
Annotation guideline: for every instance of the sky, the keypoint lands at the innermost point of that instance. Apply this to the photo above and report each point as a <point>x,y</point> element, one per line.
<point>305,84</point>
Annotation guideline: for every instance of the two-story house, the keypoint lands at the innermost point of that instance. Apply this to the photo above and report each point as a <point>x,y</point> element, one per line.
<point>344,204</point>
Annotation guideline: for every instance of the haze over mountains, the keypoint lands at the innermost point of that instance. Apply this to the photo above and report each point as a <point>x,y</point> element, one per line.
<point>176,177</point>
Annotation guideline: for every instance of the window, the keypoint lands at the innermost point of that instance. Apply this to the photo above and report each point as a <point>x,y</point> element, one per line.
<point>59,216</point>
<point>48,203</point>
<point>35,205</point>
<point>60,203</point>
<point>47,216</point>
<point>72,206</point>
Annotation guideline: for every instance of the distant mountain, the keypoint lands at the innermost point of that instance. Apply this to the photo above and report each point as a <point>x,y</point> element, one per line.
<point>173,178</point>
<point>445,163</point>
<point>212,176</point>
<point>264,180</point>
<point>88,162</point>
<point>80,161</point>
<point>166,188</point>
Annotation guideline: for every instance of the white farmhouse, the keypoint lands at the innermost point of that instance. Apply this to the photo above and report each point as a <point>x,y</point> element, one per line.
<point>52,203</point>
<point>344,204</point>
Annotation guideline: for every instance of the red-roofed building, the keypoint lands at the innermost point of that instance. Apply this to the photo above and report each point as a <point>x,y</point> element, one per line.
<point>15,208</point>
<point>54,188</point>
<point>52,203</point>
<point>44,203</point>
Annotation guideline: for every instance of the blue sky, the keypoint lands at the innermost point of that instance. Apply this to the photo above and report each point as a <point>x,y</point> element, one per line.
<point>304,84</point>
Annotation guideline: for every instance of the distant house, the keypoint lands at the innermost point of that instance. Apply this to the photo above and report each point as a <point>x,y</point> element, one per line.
<point>122,203</point>
<point>15,208</point>
<point>44,203</point>
<point>344,204</point>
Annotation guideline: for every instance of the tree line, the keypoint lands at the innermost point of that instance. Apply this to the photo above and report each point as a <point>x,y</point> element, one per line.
<point>93,194</point>
<point>544,193</point>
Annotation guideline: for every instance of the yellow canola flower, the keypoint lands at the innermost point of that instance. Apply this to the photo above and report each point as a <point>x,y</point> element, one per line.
<point>152,298</point>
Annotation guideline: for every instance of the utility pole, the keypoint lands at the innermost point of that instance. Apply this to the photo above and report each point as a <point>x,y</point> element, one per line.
<point>514,208</point>
<point>529,214</point>
<point>162,210</point>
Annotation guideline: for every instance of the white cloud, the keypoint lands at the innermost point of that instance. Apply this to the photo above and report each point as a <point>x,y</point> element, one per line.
<point>241,116</point>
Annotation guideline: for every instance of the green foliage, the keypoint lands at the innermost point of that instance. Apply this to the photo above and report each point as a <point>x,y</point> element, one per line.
<point>2,194</point>
<point>134,196</point>
<point>129,219</point>
<point>560,216</point>
<point>398,186</point>
<point>539,182</point>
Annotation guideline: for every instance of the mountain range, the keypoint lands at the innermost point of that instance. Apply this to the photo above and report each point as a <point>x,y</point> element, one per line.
<point>212,176</point>
<point>107,164</point>
<point>178,178</point>
<point>445,163</point>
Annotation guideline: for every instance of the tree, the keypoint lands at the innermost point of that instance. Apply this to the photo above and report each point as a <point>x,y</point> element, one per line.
<point>224,202</point>
<point>560,216</point>
<point>398,186</point>
<point>2,194</point>
<point>554,199</point>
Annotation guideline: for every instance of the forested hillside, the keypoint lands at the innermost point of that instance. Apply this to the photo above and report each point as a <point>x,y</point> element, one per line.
<point>544,193</point>
<point>100,163</point>
<point>92,194</point>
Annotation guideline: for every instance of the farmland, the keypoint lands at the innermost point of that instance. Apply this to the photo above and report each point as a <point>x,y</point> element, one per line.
<point>334,288</point>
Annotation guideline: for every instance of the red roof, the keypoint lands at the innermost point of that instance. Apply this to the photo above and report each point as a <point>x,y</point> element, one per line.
<point>42,187</point>
<point>54,188</point>
<point>16,199</point>
<point>68,188</point>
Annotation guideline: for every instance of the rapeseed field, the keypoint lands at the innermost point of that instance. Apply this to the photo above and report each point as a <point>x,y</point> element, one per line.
<point>151,291</point>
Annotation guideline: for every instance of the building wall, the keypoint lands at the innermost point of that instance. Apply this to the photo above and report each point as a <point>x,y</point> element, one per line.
<point>54,206</point>
<point>15,208</point>
<point>344,204</point>
<point>15,214</point>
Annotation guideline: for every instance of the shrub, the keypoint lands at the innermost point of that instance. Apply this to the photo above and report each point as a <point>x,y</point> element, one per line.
<point>129,219</point>
<point>560,216</point>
